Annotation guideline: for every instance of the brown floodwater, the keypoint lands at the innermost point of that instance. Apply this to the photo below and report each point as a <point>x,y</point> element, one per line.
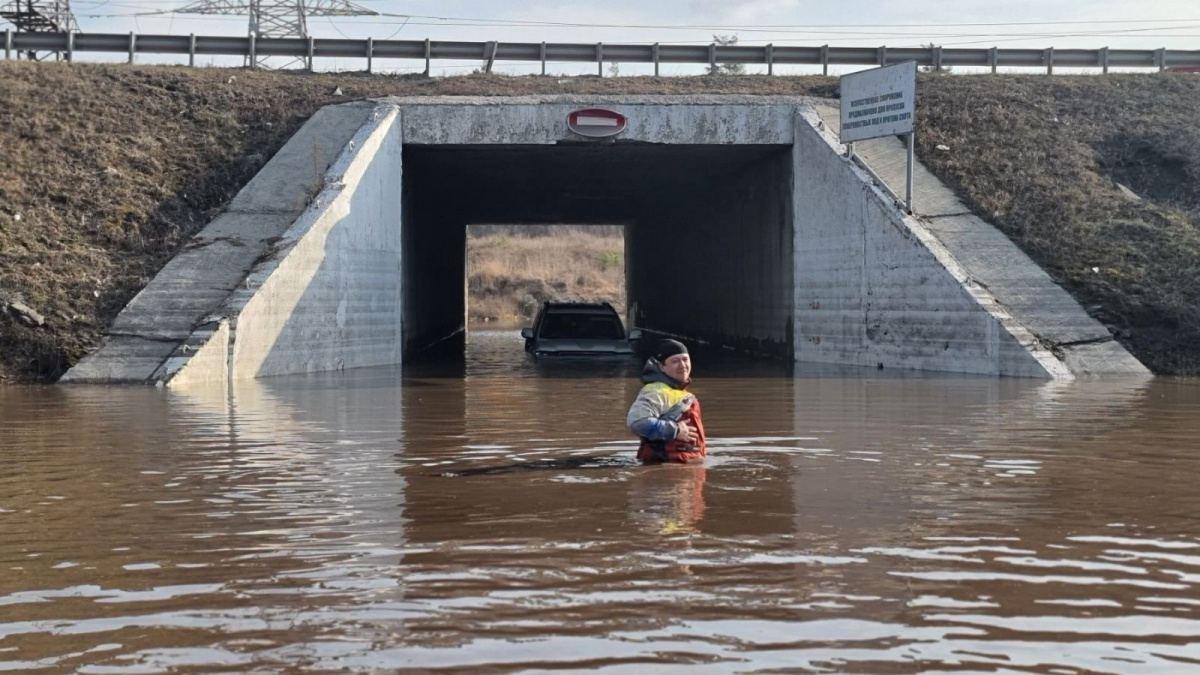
<point>487,515</point>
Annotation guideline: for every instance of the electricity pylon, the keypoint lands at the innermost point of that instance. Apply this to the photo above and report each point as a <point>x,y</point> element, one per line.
<point>40,16</point>
<point>277,18</point>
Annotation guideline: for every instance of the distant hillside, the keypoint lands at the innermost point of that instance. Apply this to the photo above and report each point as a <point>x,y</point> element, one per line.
<point>110,168</point>
<point>509,276</point>
<point>535,231</point>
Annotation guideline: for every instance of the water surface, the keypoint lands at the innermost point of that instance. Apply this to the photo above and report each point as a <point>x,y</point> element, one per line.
<point>846,520</point>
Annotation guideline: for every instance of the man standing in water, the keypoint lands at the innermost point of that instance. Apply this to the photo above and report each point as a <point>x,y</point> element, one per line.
<point>664,415</point>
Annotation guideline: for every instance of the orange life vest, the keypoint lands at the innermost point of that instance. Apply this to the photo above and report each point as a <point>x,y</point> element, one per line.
<point>676,450</point>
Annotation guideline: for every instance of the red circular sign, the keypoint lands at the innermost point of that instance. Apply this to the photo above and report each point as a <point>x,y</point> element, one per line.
<point>596,122</point>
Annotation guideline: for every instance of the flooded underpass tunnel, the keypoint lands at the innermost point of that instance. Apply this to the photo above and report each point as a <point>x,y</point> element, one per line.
<point>301,494</point>
<point>708,230</point>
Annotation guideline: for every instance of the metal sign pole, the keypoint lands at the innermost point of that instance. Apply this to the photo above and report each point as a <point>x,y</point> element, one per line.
<point>881,103</point>
<point>908,173</point>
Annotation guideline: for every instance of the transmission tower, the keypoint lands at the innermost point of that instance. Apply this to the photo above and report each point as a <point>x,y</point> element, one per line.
<point>40,16</point>
<point>277,18</point>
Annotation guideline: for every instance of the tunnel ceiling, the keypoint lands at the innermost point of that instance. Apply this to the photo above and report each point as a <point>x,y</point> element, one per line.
<point>584,182</point>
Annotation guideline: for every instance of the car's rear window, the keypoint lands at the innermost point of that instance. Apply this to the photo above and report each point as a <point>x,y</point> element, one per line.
<point>566,326</point>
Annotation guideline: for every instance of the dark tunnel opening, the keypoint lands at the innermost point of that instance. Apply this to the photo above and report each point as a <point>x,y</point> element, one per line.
<point>708,231</point>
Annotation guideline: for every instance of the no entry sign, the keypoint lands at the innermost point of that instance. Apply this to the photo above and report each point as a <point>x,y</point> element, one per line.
<point>596,122</point>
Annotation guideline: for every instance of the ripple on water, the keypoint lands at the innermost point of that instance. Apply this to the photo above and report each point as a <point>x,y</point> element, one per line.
<point>308,524</point>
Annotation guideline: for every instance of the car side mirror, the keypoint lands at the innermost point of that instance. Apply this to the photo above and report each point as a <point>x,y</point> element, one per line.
<point>635,334</point>
<point>527,333</point>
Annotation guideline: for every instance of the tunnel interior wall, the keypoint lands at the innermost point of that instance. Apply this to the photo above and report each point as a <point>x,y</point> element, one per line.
<point>708,230</point>
<point>710,257</point>
<point>434,249</point>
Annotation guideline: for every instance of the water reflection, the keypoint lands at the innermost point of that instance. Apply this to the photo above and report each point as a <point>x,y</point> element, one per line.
<point>845,520</point>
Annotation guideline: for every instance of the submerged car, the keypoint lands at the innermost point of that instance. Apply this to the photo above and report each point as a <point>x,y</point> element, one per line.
<point>579,329</point>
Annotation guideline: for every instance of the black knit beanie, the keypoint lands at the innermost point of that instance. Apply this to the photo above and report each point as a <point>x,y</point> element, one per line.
<point>668,348</point>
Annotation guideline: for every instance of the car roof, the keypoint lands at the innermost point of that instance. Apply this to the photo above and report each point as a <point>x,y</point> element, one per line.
<point>580,308</point>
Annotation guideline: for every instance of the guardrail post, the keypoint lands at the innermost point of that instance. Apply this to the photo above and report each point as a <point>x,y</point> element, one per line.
<point>1048,57</point>
<point>370,55</point>
<point>883,56</point>
<point>7,44</point>
<point>309,51</point>
<point>428,59</point>
<point>1160,58</point>
<point>770,59</point>
<point>600,59</point>
<point>132,45</point>
<point>712,59</point>
<point>1104,59</point>
<point>491,55</point>
<point>937,59</point>
<point>70,47</point>
<point>825,59</point>
<point>993,58</point>
<point>253,52</point>
<point>654,53</point>
<point>542,56</point>
<point>192,50</point>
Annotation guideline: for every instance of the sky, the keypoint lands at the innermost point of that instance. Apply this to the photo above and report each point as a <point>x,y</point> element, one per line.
<point>1174,24</point>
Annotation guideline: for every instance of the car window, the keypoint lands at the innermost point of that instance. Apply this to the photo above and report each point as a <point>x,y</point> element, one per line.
<point>563,326</point>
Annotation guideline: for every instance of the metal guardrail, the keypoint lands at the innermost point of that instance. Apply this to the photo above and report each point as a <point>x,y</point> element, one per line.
<point>598,53</point>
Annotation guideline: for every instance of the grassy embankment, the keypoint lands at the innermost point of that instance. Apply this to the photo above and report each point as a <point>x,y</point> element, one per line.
<point>109,168</point>
<point>512,270</point>
<point>1042,158</point>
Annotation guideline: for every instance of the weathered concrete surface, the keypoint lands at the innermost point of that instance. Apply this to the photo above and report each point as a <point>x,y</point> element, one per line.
<point>204,359</point>
<point>162,316</point>
<point>874,289</point>
<point>791,249</point>
<point>991,261</point>
<point>328,296</point>
<point>538,120</point>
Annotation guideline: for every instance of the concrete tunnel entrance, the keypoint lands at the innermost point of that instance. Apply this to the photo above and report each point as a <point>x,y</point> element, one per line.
<point>746,226</point>
<point>708,230</point>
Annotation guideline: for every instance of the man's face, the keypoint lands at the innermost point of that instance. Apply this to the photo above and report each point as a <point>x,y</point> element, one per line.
<point>678,367</point>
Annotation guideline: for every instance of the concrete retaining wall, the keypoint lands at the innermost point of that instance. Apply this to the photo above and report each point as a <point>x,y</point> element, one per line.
<point>328,295</point>
<point>876,288</point>
<point>160,320</point>
<point>733,238</point>
<point>300,274</point>
<point>993,263</point>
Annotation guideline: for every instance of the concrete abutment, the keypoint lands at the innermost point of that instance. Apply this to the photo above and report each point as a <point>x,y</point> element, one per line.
<point>746,227</point>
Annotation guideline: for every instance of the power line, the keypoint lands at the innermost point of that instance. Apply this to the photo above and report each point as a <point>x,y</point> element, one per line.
<point>769,27</point>
<point>864,34</point>
<point>810,35</point>
<point>766,28</point>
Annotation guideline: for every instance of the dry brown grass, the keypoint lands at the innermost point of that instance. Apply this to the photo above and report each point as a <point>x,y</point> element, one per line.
<point>111,168</point>
<point>509,276</point>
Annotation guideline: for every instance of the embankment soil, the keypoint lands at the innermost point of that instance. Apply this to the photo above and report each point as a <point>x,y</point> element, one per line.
<point>108,169</point>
